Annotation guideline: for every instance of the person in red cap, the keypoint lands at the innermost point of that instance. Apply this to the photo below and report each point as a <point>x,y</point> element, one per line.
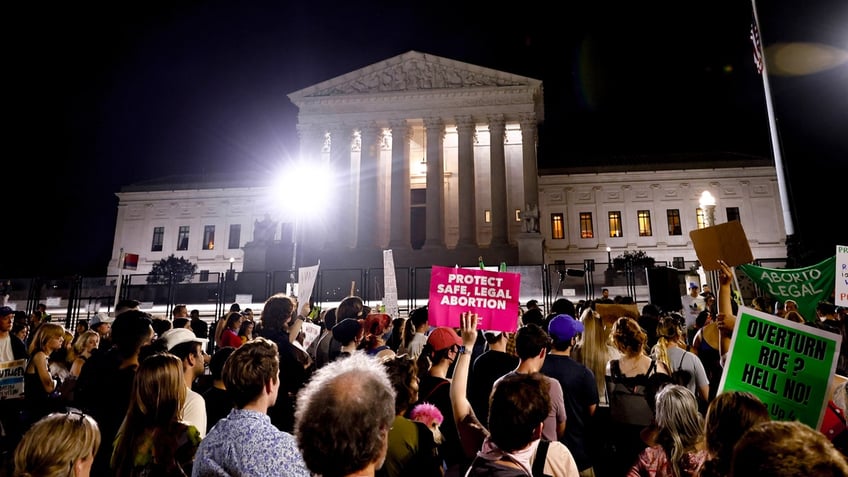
<point>441,350</point>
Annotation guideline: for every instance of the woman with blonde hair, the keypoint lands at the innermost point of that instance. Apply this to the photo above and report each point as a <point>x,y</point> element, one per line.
<point>58,445</point>
<point>685,367</point>
<point>680,432</point>
<point>60,360</point>
<point>594,351</point>
<point>84,346</point>
<point>152,439</point>
<point>40,386</point>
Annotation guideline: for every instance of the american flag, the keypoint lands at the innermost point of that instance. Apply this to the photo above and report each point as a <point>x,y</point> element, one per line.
<point>758,51</point>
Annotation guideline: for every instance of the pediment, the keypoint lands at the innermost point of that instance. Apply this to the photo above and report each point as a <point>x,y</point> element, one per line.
<point>413,72</point>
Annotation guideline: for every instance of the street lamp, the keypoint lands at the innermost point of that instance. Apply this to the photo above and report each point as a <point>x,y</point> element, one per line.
<point>708,204</point>
<point>232,260</point>
<point>609,258</point>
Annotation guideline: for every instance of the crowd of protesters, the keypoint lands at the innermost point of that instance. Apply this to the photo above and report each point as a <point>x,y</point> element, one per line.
<point>570,393</point>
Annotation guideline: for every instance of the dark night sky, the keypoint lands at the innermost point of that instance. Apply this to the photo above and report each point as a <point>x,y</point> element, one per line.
<point>104,94</point>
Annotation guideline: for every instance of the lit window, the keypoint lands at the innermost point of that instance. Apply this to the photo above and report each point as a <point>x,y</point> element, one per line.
<point>701,218</point>
<point>645,223</point>
<point>518,215</point>
<point>557,226</point>
<point>487,216</point>
<point>673,218</point>
<point>615,224</point>
<point>209,237</point>
<point>182,238</point>
<point>587,230</point>
<point>158,238</point>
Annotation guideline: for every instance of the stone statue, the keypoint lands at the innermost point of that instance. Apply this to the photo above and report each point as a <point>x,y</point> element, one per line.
<point>531,218</point>
<point>264,230</point>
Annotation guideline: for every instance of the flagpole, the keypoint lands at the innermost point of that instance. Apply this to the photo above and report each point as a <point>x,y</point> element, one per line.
<point>118,285</point>
<point>775,142</point>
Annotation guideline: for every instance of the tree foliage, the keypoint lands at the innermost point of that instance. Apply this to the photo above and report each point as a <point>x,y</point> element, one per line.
<point>638,259</point>
<point>171,270</point>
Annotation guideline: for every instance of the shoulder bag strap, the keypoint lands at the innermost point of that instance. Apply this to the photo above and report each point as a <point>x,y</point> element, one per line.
<point>615,369</point>
<point>541,457</point>
<point>430,394</point>
<point>680,364</point>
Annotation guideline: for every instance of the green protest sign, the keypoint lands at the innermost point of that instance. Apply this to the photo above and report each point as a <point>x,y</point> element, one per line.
<point>788,365</point>
<point>807,286</point>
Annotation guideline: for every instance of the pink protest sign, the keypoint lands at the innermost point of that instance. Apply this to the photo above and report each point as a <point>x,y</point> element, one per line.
<point>492,295</point>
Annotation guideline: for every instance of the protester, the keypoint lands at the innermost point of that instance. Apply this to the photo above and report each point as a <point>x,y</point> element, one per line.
<point>729,416</point>
<point>786,449</point>
<point>580,394</point>
<point>344,415</point>
<point>557,462</point>
<point>182,343</point>
<point>245,442</point>
<point>59,444</point>
<point>679,433</point>
<point>412,448</point>
<point>218,401</point>
<point>278,320</point>
<point>105,385</point>
<point>152,439</point>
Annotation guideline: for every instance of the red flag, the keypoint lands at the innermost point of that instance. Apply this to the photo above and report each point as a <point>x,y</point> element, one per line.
<point>130,261</point>
<point>758,51</point>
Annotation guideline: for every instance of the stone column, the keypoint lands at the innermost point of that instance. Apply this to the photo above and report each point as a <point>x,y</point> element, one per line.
<point>497,135</point>
<point>369,156</point>
<point>400,236</point>
<point>435,237</point>
<point>341,207</point>
<point>528,149</point>
<point>467,221</point>
<point>311,141</point>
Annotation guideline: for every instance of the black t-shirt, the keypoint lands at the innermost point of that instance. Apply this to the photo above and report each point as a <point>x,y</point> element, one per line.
<point>488,367</point>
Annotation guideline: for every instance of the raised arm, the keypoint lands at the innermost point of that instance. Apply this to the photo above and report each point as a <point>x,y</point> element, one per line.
<point>726,319</point>
<point>471,431</point>
<point>459,384</point>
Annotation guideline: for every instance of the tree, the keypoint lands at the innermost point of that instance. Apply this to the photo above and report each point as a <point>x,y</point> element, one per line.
<point>637,259</point>
<point>171,270</point>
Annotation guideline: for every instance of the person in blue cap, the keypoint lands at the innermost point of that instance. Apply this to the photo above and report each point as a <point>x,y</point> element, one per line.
<point>581,400</point>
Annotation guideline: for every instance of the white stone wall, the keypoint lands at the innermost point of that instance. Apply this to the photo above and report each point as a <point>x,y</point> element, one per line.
<point>752,189</point>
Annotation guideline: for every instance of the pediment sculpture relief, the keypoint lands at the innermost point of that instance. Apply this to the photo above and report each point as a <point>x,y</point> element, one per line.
<point>414,74</point>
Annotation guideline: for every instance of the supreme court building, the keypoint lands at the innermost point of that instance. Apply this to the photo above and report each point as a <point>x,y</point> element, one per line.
<point>436,160</point>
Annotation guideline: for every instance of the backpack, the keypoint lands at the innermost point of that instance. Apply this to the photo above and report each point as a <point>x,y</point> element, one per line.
<point>485,467</point>
<point>627,396</point>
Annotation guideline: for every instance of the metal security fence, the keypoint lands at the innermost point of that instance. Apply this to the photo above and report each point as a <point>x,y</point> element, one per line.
<point>77,298</point>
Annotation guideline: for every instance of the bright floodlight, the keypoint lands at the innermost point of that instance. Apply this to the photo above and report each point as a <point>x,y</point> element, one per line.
<point>301,189</point>
<point>707,199</point>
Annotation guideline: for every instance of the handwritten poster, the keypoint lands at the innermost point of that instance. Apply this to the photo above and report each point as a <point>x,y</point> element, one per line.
<point>12,379</point>
<point>788,365</point>
<point>841,290</point>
